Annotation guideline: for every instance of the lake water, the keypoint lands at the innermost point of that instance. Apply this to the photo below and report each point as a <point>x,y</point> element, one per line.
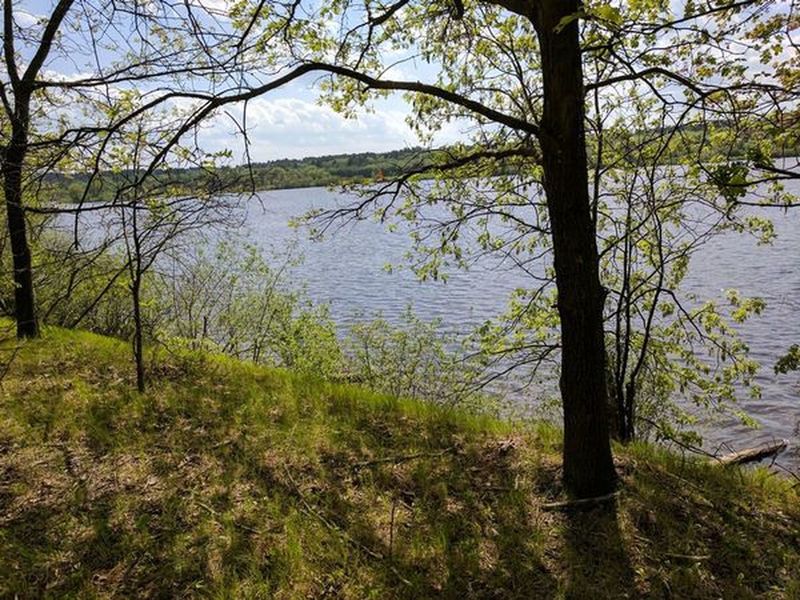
<point>348,271</point>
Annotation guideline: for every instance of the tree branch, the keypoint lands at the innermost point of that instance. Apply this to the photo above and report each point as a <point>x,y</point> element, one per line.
<point>48,36</point>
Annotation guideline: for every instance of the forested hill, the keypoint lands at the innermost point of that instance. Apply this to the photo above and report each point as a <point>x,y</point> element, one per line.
<point>277,174</point>
<point>332,169</point>
<point>314,171</point>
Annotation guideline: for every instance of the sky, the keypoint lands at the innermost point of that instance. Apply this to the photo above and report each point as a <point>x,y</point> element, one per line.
<point>290,122</point>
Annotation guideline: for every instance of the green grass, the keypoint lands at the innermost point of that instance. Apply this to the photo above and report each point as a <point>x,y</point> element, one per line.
<point>228,480</point>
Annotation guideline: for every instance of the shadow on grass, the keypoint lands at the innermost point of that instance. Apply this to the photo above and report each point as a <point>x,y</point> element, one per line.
<point>454,524</point>
<point>596,559</point>
<point>478,557</point>
<point>250,483</point>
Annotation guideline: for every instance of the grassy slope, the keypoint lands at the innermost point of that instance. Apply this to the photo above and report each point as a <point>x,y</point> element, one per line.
<point>229,480</point>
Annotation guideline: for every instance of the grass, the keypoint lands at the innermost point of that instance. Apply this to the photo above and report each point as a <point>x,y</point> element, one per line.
<point>228,480</point>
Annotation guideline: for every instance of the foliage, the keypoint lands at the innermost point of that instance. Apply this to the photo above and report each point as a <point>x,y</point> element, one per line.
<point>713,137</point>
<point>682,137</point>
<point>82,288</point>
<point>413,359</point>
<point>670,352</point>
<point>229,299</point>
<point>232,298</point>
<point>789,361</point>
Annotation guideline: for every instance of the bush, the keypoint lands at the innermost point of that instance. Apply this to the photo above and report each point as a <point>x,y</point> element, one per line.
<point>232,301</point>
<point>413,359</point>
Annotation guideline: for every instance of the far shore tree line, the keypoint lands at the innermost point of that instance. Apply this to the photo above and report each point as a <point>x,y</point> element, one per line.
<point>604,143</point>
<point>351,169</point>
<point>315,171</point>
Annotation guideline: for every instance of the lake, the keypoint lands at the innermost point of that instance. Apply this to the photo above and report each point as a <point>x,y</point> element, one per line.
<point>347,270</point>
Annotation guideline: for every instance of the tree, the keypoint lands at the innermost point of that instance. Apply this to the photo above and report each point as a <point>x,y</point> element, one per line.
<point>690,112</point>
<point>517,72</point>
<point>559,132</point>
<point>155,74</point>
<point>91,69</point>
<point>588,468</point>
<point>16,95</point>
<point>154,219</point>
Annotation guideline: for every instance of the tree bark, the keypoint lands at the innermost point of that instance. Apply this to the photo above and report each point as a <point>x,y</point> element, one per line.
<point>588,465</point>
<point>13,160</point>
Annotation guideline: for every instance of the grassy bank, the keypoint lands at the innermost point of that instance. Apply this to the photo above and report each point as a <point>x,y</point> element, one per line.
<point>229,480</point>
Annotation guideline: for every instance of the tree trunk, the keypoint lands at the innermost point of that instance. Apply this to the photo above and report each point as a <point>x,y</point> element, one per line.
<point>136,293</point>
<point>138,338</point>
<point>588,465</point>
<point>13,159</point>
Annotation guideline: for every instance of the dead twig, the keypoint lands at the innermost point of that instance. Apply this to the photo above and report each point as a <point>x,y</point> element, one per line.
<point>308,509</point>
<point>693,557</point>
<point>391,525</point>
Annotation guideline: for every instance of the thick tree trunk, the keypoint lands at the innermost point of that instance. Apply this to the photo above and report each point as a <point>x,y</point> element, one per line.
<point>24,302</point>
<point>588,465</point>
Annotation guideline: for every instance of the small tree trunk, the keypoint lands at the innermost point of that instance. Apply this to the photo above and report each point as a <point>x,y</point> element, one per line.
<point>630,411</point>
<point>24,301</point>
<point>138,349</point>
<point>588,465</point>
<point>135,259</point>
<point>616,404</point>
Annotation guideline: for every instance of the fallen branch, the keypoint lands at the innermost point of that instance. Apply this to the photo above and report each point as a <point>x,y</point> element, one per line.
<point>692,557</point>
<point>581,502</point>
<point>752,454</point>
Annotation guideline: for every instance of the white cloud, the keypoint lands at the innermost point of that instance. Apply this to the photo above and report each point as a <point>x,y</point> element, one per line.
<point>26,19</point>
<point>294,128</point>
<point>219,8</point>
